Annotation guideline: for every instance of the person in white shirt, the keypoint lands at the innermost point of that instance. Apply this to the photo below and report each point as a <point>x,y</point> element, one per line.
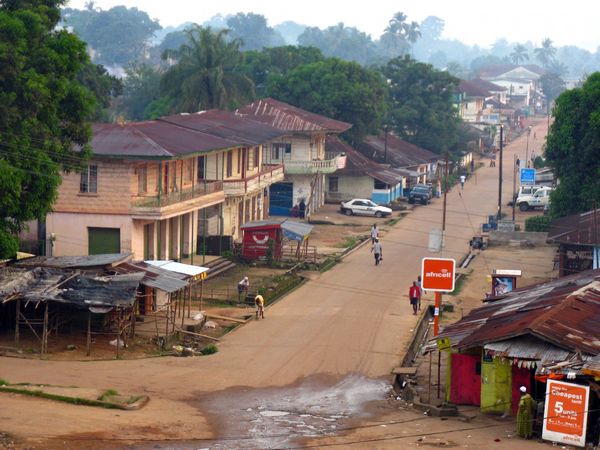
<point>377,252</point>
<point>462,181</point>
<point>374,233</point>
<point>243,286</point>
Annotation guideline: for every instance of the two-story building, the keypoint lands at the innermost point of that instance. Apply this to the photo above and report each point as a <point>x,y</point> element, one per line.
<point>419,164</point>
<point>521,82</point>
<point>301,151</point>
<point>247,170</point>
<point>153,187</point>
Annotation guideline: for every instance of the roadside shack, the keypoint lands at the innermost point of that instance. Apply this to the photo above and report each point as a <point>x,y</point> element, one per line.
<point>263,239</point>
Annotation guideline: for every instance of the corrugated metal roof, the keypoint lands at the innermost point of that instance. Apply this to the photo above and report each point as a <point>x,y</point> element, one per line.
<point>399,152</point>
<point>173,266</point>
<point>290,118</point>
<point>528,347</point>
<point>578,229</point>
<point>263,223</point>
<point>227,125</point>
<point>564,312</point>
<point>75,262</point>
<point>152,139</point>
<point>472,89</point>
<point>155,277</point>
<point>297,231</point>
<point>359,164</point>
<point>593,365</point>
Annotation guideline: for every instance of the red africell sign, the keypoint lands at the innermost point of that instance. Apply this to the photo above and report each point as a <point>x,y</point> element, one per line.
<point>438,274</point>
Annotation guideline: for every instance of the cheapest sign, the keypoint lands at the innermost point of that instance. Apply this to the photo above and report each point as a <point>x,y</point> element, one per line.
<point>437,274</point>
<point>565,413</point>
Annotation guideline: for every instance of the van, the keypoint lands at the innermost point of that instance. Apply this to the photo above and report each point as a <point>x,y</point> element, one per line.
<point>538,199</point>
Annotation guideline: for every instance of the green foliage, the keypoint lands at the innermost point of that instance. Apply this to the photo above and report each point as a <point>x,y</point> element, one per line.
<point>538,223</point>
<point>572,149</point>
<point>422,104</point>
<point>338,89</point>
<point>552,85</point>
<point>141,89</point>
<point>253,31</point>
<point>3,382</point>
<point>107,394</point>
<point>205,74</point>
<point>270,253</point>
<point>43,112</point>
<point>209,349</point>
<point>118,36</point>
<point>539,162</point>
<point>104,86</point>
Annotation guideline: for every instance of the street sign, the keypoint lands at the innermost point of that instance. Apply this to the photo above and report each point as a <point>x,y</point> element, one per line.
<point>527,176</point>
<point>437,274</point>
<point>444,344</point>
<point>565,413</point>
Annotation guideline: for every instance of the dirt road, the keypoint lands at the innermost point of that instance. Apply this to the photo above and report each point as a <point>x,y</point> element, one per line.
<point>319,356</point>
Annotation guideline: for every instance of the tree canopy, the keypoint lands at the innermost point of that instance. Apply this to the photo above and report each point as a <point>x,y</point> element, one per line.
<point>117,36</point>
<point>338,89</point>
<point>205,74</point>
<point>43,111</point>
<point>253,31</point>
<point>422,104</point>
<point>573,146</point>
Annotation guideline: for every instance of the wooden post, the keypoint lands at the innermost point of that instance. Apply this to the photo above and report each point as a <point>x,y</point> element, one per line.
<point>167,314</point>
<point>118,331</point>
<point>45,331</point>
<point>88,344</point>
<point>183,295</point>
<point>201,293</point>
<point>439,371</point>
<point>17,336</point>
<point>189,293</point>
<point>429,390</point>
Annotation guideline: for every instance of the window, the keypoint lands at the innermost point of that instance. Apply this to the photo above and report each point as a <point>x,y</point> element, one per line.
<point>281,150</point>
<point>257,156</point>
<point>173,175</point>
<point>189,166</point>
<point>251,160</point>
<point>379,185</point>
<point>89,180</point>
<point>142,173</point>
<point>239,160</point>
<point>201,167</point>
<point>229,166</point>
<point>333,184</point>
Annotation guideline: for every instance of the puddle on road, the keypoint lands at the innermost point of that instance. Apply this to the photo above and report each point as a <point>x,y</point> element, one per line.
<point>278,417</point>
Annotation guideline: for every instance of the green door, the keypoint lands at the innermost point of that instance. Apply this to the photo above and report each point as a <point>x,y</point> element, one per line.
<point>104,240</point>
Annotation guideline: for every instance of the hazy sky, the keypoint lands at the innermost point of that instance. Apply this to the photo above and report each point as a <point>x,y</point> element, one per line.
<point>474,22</point>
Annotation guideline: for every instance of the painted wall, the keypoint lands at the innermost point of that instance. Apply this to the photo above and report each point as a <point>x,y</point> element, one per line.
<point>496,386</point>
<point>71,231</point>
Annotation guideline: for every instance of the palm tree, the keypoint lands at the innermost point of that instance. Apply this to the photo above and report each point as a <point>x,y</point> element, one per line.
<point>204,75</point>
<point>545,53</point>
<point>519,54</point>
<point>394,39</point>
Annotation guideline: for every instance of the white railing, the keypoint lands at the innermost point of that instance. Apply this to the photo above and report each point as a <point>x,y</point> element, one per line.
<point>310,167</point>
<point>270,174</point>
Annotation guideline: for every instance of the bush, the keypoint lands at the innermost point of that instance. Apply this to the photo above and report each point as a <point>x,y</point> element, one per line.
<point>210,349</point>
<point>538,223</point>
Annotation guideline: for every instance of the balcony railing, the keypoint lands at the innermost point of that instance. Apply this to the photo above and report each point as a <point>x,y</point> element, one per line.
<point>172,198</point>
<point>270,174</point>
<point>298,167</point>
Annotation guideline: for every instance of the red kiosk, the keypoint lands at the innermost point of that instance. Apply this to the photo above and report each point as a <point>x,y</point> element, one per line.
<point>259,235</point>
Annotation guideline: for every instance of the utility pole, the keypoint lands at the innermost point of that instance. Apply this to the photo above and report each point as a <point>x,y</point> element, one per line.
<point>445,193</point>
<point>527,147</point>
<point>500,176</point>
<point>385,145</point>
<point>514,199</point>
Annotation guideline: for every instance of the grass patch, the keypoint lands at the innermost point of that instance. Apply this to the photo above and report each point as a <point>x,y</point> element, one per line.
<point>3,382</point>
<point>459,285</point>
<point>329,263</point>
<point>107,394</point>
<point>349,242</point>
<point>229,328</point>
<point>393,221</point>
<point>61,398</point>
<point>209,349</point>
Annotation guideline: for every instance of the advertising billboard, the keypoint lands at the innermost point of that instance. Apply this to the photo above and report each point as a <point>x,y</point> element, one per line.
<point>565,413</point>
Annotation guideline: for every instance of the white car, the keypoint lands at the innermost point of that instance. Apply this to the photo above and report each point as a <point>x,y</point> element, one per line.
<point>364,207</point>
<point>539,199</point>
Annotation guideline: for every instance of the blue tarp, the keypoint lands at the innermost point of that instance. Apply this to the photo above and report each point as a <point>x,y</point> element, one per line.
<point>296,231</point>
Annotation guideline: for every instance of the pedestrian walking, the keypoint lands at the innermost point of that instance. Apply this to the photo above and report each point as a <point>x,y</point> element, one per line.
<point>462,182</point>
<point>374,233</point>
<point>377,252</point>
<point>493,160</point>
<point>421,291</point>
<point>413,294</point>
<point>259,301</point>
<point>518,163</point>
<point>438,189</point>
<point>525,414</point>
<point>242,288</point>
<point>472,165</point>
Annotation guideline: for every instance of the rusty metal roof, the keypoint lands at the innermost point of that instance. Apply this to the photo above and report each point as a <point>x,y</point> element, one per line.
<point>154,277</point>
<point>358,164</point>
<point>563,312</point>
<point>153,139</point>
<point>473,89</point>
<point>227,125</point>
<point>399,152</point>
<point>577,229</point>
<point>75,262</point>
<point>290,118</point>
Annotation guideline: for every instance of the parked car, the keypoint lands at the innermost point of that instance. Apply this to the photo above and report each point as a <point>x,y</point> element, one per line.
<point>539,199</point>
<point>428,187</point>
<point>420,194</point>
<point>364,207</point>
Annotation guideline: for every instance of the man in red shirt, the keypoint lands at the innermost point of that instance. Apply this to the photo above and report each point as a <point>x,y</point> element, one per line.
<point>414,293</point>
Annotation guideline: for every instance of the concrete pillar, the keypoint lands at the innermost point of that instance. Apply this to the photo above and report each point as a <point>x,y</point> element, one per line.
<point>194,237</point>
<point>187,234</point>
<point>175,236</point>
<point>164,240</point>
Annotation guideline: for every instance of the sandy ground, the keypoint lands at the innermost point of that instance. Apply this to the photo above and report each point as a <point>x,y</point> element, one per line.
<point>341,333</point>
